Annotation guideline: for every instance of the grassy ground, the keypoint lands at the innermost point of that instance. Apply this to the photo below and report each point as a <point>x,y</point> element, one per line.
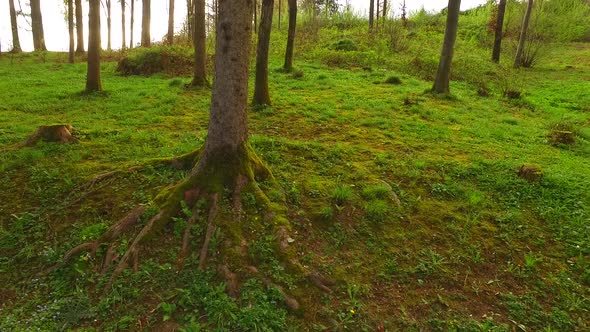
<point>409,201</point>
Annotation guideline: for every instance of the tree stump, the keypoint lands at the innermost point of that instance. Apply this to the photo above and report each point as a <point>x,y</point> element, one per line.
<point>53,133</point>
<point>558,137</point>
<point>531,173</point>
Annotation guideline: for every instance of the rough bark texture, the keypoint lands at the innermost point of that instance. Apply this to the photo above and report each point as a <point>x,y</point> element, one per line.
<point>14,26</point>
<point>171,22</point>
<point>52,133</point>
<point>71,29</point>
<point>131,22</point>
<point>37,26</point>
<point>291,35</point>
<point>199,40</point>
<point>123,41</point>
<point>499,31</point>
<point>93,82</point>
<point>190,13</point>
<point>443,74</point>
<point>261,94</point>
<point>79,28</point>
<point>371,13</point>
<point>145,24</point>
<point>384,10</point>
<point>523,33</point>
<point>109,25</point>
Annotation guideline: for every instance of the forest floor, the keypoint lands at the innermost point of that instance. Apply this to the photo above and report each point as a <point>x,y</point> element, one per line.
<point>409,201</point>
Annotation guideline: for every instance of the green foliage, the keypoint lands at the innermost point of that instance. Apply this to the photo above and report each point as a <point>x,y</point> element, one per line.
<point>174,60</point>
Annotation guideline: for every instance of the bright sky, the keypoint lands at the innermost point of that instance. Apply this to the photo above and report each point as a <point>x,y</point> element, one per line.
<point>56,32</point>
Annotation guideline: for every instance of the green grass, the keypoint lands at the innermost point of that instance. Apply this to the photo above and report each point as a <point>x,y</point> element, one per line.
<point>470,246</point>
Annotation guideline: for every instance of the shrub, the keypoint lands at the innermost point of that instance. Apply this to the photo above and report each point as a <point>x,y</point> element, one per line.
<point>345,45</point>
<point>148,61</point>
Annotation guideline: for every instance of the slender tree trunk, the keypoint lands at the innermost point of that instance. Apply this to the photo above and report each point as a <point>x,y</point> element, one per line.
<point>109,26</point>
<point>200,36</point>
<point>79,28</point>
<point>71,29</point>
<point>190,19</point>
<point>93,82</point>
<point>280,11</point>
<point>14,26</point>
<point>371,13</point>
<point>523,33</point>
<point>291,35</point>
<point>131,23</point>
<point>171,22</point>
<point>255,16</point>
<point>123,42</point>
<point>384,10</point>
<point>499,31</point>
<point>443,74</point>
<point>37,26</point>
<point>261,94</point>
<point>145,24</point>
<point>228,123</point>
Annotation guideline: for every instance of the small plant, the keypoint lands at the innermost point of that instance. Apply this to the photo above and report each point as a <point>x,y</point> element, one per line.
<point>345,45</point>
<point>377,210</point>
<point>393,80</point>
<point>531,261</point>
<point>298,74</point>
<point>378,191</point>
<point>430,262</point>
<point>167,310</point>
<point>341,194</point>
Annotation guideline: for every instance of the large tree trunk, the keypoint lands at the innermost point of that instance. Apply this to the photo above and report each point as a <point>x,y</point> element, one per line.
<point>131,23</point>
<point>291,35</point>
<point>499,31</point>
<point>109,26</point>
<point>123,42</point>
<point>93,83</point>
<point>71,29</point>
<point>523,33</point>
<point>371,13</point>
<point>261,94</point>
<point>171,23</point>
<point>79,28</point>
<point>145,24</point>
<point>14,26</point>
<point>443,74</point>
<point>199,40</point>
<point>37,26</point>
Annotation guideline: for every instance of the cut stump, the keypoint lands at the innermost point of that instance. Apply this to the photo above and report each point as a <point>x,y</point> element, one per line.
<point>53,133</point>
<point>531,173</point>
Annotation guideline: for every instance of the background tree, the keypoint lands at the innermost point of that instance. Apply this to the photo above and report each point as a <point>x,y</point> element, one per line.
<point>79,28</point>
<point>93,82</point>
<point>109,25</point>
<point>123,41</point>
<point>145,24</point>
<point>288,66</point>
<point>171,22</point>
<point>523,34</point>
<point>131,23</point>
<point>443,74</point>
<point>499,29</point>
<point>371,13</point>
<point>261,94</point>
<point>14,27</point>
<point>37,26</point>
<point>200,43</point>
<point>71,29</point>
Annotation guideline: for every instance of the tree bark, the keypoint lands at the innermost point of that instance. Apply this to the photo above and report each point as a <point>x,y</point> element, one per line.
<point>93,82</point>
<point>255,16</point>
<point>523,33</point>
<point>109,26</point>
<point>70,30</point>
<point>228,125</point>
<point>190,19</point>
<point>199,40</point>
<point>131,23</point>
<point>14,26</point>
<point>291,35</point>
<point>384,10</point>
<point>443,74</point>
<point>37,26</point>
<point>145,24</point>
<point>261,94</point>
<point>371,13</point>
<point>280,12</point>
<point>171,22</point>
<point>499,31</point>
<point>79,28</point>
<point>123,41</point>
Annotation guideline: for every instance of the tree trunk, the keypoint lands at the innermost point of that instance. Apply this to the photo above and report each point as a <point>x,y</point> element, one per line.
<point>190,19</point>
<point>291,35</point>
<point>171,22</point>
<point>255,16</point>
<point>70,29</point>
<point>261,94</point>
<point>199,40</point>
<point>14,26</point>
<point>523,32</point>
<point>93,83</point>
<point>79,28</point>
<point>228,128</point>
<point>280,12</point>
<point>145,24</point>
<point>443,74</point>
<point>123,42</point>
<point>384,10</point>
<point>371,13</point>
<point>499,31</point>
<point>108,3</point>
<point>37,26</point>
<point>131,22</point>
